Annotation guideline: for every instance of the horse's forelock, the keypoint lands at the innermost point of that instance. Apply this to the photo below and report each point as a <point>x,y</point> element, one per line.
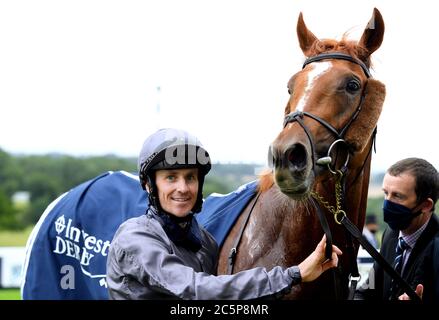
<point>346,46</point>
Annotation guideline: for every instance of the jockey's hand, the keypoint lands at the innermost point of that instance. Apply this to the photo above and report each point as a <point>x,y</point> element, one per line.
<point>316,263</point>
<point>419,291</point>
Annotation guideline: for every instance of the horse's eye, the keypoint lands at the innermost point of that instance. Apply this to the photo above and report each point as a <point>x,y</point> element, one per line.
<point>289,91</point>
<point>353,85</point>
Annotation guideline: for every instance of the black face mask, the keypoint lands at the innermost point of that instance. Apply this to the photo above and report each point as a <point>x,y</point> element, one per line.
<point>397,216</point>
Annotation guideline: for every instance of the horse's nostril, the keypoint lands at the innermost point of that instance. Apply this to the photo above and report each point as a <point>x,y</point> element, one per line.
<point>296,156</point>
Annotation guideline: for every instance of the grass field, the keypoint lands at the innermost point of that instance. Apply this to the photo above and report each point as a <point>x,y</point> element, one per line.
<point>10,294</point>
<point>15,238</point>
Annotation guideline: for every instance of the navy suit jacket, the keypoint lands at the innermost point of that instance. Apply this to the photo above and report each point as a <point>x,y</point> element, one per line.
<point>430,277</point>
<point>419,267</point>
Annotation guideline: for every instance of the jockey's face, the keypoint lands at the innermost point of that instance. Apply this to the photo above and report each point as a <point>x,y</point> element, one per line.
<point>177,190</point>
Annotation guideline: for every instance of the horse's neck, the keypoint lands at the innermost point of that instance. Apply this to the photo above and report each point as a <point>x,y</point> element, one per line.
<point>276,230</point>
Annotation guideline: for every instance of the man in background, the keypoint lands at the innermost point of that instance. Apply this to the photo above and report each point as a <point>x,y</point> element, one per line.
<point>370,229</point>
<point>411,189</point>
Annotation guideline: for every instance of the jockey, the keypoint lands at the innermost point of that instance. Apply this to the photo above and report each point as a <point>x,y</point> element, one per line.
<point>166,254</point>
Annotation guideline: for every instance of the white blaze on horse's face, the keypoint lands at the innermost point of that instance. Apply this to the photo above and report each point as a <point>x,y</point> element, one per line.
<point>318,69</point>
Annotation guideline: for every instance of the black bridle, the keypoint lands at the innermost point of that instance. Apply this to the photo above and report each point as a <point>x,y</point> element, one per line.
<point>297,116</point>
<point>339,56</point>
<point>339,135</point>
<point>352,230</point>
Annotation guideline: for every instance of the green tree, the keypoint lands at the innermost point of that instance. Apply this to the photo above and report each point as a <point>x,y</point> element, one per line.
<point>214,184</point>
<point>375,205</point>
<point>46,177</point>
<point>10,174</point>
<point>7,213</point>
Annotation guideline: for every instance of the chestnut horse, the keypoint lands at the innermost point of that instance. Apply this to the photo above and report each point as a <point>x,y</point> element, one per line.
<point>325,144</point>
<point>321,162</point>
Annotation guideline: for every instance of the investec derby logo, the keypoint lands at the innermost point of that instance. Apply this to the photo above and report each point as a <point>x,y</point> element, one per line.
<point>68,242</point>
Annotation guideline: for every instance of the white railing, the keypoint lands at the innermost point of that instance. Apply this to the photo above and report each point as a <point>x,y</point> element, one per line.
<point>11,264</point>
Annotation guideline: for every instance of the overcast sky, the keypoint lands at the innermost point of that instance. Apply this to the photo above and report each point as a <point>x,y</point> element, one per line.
<point>81,77</point>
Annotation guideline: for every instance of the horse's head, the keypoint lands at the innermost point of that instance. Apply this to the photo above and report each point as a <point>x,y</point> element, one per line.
<point>332,98</point>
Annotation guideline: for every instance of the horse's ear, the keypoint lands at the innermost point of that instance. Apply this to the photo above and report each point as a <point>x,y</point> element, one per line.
<point>373,34</point>
<point>375,93</point>
<point>306,37</point>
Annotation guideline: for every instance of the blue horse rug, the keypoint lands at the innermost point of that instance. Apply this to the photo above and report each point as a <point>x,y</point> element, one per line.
<point>67,250</point>
<point>220,212</point>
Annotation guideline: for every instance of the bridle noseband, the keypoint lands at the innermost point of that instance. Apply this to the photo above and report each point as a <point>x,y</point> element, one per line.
<point>297,116</point>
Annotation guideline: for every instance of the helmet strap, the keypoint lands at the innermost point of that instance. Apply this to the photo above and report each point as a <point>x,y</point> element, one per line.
<point>153,196</point>
<point>199,203</point>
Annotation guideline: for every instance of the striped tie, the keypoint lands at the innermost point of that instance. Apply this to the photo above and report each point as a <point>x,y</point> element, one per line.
<point>397,263</point>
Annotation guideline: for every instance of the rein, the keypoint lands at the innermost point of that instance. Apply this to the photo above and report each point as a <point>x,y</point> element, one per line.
<point>234,250</point>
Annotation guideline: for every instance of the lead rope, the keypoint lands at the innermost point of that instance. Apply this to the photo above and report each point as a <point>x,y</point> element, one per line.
<point>340,217</point>
<point>335,211</point>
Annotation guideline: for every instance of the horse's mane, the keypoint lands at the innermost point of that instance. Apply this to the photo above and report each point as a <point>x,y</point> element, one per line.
<point>265,180</point>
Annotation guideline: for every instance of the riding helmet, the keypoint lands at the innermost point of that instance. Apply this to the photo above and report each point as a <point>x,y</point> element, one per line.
<point>172,149</point>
